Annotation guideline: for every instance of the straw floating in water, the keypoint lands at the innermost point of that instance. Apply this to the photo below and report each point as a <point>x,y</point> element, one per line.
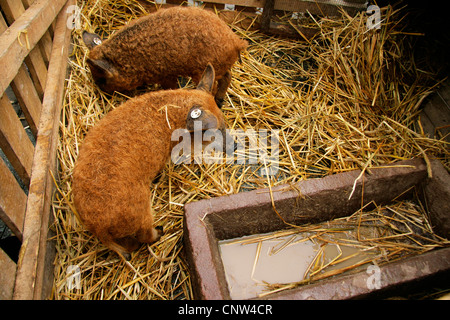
<point>382,235</point>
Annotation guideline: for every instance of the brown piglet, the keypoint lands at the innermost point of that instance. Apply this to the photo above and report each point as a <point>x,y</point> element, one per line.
<point>123,153</point>
<point>157,48</point>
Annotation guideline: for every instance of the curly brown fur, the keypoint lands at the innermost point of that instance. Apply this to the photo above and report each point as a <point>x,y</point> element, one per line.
<point>122,154</point>
<point>161,46</point>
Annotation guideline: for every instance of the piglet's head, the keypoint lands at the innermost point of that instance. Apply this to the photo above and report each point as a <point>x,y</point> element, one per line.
<point>105,75</point>
<point>208,118</point>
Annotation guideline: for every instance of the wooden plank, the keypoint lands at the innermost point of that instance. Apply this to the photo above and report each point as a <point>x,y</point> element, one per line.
<point>27,95</point>
<point>25,92</point>
<point>214,6</point>
<point>175,1</point>
<point>13,201</point>
<point>7,276</point>
<point>10,7</point>
<point>23,35</point>
<point>30,268</point>
<point>37,68</point>
<point>313,6</point>
<point>3,25</point>
<point>59,69</point>
<point>13,9</point>
<point>28,98</point>
<point>14,141</point>
<point>46,41</point>
<point>243,3</point>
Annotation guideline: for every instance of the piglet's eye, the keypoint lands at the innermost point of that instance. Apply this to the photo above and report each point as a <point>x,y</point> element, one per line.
<point>196,113</point>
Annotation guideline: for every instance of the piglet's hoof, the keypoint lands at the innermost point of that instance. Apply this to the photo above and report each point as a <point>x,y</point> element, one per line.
<point>160,231</point>
<point>126,256</point>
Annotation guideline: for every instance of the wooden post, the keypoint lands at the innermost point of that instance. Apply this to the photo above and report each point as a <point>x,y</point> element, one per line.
<point>269,6</point>
<point>30,267</point>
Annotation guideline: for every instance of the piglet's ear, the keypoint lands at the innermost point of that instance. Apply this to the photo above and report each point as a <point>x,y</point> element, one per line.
<point>206,120</point>
<point>91,40</point>
<point>100,68</point>
<point>207,81</point>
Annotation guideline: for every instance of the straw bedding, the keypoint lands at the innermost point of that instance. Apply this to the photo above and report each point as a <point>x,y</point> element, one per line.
<point>348,98</point>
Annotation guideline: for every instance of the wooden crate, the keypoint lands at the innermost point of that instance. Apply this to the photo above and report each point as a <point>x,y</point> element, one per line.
<point>34,44</point>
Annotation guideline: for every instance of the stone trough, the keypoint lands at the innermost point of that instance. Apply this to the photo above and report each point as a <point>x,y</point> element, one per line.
<point>247,213</point>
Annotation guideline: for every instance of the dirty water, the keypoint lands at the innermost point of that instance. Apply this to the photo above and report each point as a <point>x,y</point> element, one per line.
<point>252,264</point>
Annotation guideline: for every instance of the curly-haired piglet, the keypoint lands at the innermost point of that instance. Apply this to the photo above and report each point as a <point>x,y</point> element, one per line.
<point>122,154</point>
<point>157,48</point>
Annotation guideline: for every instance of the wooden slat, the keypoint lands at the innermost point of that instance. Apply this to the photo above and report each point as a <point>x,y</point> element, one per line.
<point>27,3</point>
<point>313,6</point>
<point>30,268</point>
<point>46,41</point>
<point>13,9</point>
<point>23,35</point>
<point>28,98</point>
<point>14,141</point>
<point>25,91</point>
<point>2,22</point>
<point>175,1</point>
<point>243,3</point>
<point>7,276</point>
<point>13,201</point>
<point>38,69</point>
<point>214,6</point>
<point>10,6</point>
